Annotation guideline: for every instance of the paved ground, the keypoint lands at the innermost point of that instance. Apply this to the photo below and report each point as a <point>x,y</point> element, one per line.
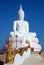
<point>34,59</point>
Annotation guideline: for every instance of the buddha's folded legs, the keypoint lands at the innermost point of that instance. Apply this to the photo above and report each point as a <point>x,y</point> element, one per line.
<point>12,34</point>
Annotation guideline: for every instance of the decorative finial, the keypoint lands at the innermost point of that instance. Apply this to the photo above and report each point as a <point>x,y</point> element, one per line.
<point>9,38</point>
<point>20,7</point>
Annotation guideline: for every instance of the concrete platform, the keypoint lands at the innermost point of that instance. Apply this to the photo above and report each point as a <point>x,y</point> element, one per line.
<point>34,59</point>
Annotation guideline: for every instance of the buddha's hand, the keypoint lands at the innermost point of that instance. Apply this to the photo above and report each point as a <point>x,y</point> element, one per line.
<point>15,32</point>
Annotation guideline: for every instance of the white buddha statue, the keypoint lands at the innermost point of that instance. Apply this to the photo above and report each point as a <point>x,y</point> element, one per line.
<point>21,27</point>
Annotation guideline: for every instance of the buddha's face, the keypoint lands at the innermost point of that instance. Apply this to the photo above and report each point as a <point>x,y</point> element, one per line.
<point>21,16</point>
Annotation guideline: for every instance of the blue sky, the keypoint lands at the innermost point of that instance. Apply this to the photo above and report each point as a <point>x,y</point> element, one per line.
<point>34,14</point>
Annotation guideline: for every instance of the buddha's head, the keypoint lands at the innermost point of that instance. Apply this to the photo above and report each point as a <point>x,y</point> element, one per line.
<point>21,14</point>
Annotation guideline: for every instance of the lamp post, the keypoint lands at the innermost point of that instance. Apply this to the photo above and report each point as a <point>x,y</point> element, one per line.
<point>16,41</point>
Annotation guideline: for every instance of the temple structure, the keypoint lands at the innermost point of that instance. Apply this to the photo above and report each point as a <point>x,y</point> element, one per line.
<point>21,29</point>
